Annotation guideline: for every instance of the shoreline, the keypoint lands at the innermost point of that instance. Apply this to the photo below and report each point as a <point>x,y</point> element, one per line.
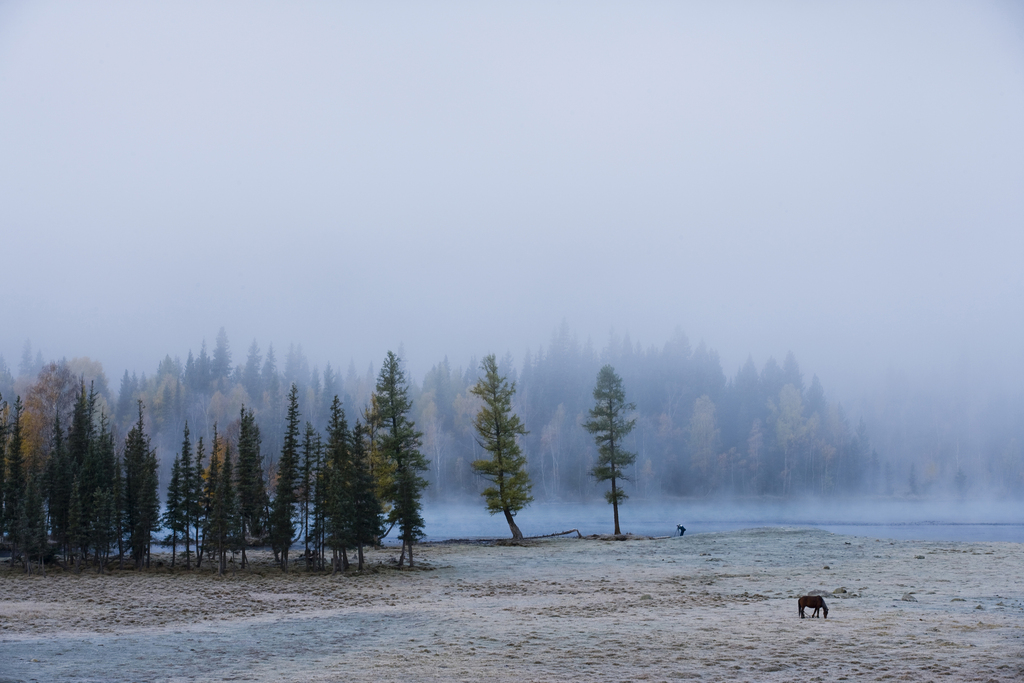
<point>715,606</point>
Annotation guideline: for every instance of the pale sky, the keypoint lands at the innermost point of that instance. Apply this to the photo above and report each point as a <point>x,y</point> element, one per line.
<point>844,180</point>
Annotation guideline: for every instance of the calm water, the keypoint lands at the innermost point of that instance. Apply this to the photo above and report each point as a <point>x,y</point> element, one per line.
<point>928,521</point>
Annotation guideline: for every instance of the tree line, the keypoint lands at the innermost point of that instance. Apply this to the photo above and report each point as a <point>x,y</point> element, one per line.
<point>329,492</point>
<point>764,431</point>
<point>86,501</point>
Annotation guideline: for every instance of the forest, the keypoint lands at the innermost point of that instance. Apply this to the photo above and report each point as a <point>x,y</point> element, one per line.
<point>764,432</point>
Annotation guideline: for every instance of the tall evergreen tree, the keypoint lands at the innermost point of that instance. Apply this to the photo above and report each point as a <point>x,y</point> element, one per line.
<point>190,490</point>
<point>251,379</point>
<point>16,480</point>
<point>252,489</point>
<point>174,517</point>
<point>609,426</point>
<point>367,512</point>
<point>141,499</point>
<point>3,461</point>
<point>103,527</point>
<point>78,528</point>
<point>210,488</point>
<point>282,513</point>
<point>201,501</point>
<point>32,524</point>
<point>400,446</point>
<point>498,430</point>
<point>311,448</point>
<point>338,499</point>
<point>58,476</point>
<point>224,508</point>
<point>220,365</point>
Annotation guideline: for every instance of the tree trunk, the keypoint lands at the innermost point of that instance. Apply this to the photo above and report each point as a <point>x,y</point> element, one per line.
<point>344,559</point>
<point>517,535</point>
<point>410,554</point>
<point>401,558</point>
<point>360,552</point>
<point>615,508</point>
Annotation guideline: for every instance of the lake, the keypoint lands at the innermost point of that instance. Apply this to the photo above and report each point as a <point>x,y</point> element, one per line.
<point>905,520</point>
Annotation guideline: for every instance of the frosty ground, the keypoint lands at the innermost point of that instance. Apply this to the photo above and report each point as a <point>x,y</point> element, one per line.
<point>718,606</point>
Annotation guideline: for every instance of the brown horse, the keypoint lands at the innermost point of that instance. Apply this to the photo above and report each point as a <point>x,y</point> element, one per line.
<point>816,602</point>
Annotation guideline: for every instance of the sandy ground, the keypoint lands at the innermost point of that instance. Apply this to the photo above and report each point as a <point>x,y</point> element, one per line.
<point>703,607</point>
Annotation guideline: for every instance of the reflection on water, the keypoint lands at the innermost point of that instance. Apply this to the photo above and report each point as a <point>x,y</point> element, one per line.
<point>919,520</point>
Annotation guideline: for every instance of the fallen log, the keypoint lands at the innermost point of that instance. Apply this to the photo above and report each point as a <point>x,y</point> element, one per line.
<point>561,533</point>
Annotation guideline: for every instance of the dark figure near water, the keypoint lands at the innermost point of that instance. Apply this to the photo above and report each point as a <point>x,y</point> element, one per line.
<point>682,529</point>
<point>815,602</point>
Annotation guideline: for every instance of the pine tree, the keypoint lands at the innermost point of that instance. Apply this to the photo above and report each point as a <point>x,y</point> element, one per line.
<point>3,462</point>
<point>282,522</point>
<point>32,524</point>
<point>141,500</point>
<point>400,444</point>
<point>57,480</point>
<point>14,490</point>
<point>209,495</point>
<point>190,490</point>
<point>251,379</point>
<point>224,506</point>
<point>101,474</point>
<point>498,430</point>
<point>310,449</point>
<point>252,490</point>
<point>103,529</point>
<point>338,499</point>
<point>367,513</point>
<point>174,510</point>
<point>609,426</point>
<point>78,529</point>
<point>220,366</point>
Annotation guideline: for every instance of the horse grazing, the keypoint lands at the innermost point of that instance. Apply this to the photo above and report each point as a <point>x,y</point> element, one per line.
<point>816,602</point>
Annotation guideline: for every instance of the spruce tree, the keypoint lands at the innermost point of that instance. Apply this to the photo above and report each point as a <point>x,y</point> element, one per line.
<point>141,500</point>
<point>337,484</point>
<point>3,463</point>
<point>14,490</point>
<point>367,512</point>
<point>310,449</point>
<point>32,524</point>
<point>498,430</point>
<point>252,490</point>
<point>282,513</point>
<point>400,444</point>
<point>98,487</point>
<point>103,529</point>
<point>198,501</point>
<point>210,488</point>
<point>57,479</point>
<point>78,528</point>
<point>174,510</point>
<point>609,426</point>
<point>189,494</point>
<point>224,506</point>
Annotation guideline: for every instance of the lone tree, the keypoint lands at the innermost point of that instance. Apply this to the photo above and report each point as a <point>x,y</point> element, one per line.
<point>609,426</point>
<point>498,427</point>
<point>400,447</point>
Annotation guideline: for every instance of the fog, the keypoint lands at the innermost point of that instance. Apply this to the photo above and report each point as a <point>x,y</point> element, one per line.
<point>837,180</point>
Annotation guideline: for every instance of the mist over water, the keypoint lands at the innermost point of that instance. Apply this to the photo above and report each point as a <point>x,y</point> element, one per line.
<point>922,520</point>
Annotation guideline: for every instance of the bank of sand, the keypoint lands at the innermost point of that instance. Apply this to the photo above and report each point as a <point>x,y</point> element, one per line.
<point>704,607</point>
